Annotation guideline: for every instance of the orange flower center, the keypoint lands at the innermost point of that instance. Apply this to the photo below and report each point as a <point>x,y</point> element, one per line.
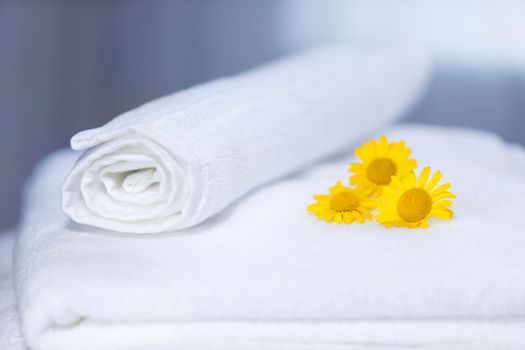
<point>344,201</point>
<point>380,171</point>
<point>414,205</point>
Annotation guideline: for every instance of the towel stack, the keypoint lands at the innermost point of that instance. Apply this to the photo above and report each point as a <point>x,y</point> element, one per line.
<point>153,255</point>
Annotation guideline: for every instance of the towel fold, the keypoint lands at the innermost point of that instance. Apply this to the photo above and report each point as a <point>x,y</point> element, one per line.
<point>176,161</point>
<point>265,273</point>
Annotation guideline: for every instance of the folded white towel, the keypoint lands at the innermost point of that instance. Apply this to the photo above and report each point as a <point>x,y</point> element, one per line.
<point>176,161</point>
<point>264,272</point>
<point>10,336</point>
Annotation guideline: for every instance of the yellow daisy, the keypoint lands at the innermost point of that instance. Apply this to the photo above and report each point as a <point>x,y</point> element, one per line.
<point>342,205</point>
<point>410,202</point>
<point>380,161</point>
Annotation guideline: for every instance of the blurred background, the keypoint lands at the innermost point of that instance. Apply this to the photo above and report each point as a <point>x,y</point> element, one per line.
<point>70,65</point>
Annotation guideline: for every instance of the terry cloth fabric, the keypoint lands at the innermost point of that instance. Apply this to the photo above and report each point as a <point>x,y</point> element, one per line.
<point>176,161</point>
<point>10,336</point>
<point>266,273</point>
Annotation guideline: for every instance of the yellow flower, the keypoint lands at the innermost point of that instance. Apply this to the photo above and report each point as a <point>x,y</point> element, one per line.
<point>410,203</point>
<point>380,161</point>
<point>342,205</point>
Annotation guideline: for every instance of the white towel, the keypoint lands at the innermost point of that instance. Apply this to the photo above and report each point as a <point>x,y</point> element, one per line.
<point>176,161</point>
<point>10,336</point>
<point>266,273</point>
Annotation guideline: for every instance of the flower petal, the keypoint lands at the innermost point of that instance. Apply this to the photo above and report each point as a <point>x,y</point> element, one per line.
<point>434,181</point>
<point>358,217</point>
<point>423,177</point>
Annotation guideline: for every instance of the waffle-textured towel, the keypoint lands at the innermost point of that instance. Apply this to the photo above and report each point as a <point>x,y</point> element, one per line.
<point>176,161</point>
<point>266,273</point>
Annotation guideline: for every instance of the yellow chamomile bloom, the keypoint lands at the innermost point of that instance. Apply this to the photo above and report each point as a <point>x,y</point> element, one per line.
<point>379,161</point>
<point>410,202</point>
<point>342,205</point>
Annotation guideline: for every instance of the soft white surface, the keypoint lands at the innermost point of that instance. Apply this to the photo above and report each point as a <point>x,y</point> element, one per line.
<point>176,161</point>
<point>10,336</point>
<point>265,272</point>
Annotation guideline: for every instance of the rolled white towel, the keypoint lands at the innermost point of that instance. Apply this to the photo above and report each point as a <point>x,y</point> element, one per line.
<point>176,161</point>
